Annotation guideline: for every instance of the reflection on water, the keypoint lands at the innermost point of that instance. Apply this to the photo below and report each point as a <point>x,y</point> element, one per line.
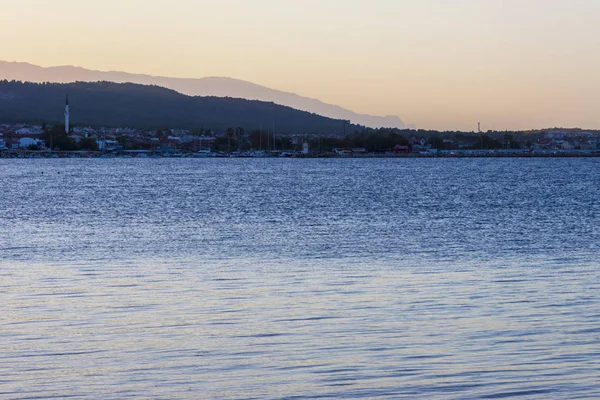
<point>300,279</point>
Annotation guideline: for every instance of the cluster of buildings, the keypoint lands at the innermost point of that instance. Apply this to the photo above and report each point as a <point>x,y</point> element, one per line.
<point>558,140</point>
<point>24,136</point>
<point>20,136</point>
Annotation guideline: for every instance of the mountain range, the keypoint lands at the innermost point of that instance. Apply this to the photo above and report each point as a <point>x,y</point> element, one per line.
<point>211,86</point>
<point>143,106</point>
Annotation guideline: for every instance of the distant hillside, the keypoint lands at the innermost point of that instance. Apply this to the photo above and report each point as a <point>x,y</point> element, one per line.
<point>133,105</point>
<point>220,87</point>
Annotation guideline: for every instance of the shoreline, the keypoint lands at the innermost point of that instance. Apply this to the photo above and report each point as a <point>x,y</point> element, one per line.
<point>7,154</point>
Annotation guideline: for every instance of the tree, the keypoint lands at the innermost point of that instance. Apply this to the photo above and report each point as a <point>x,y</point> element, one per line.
<point>508,138</point>
<point>88,144</point>
<point>438,143</point>
<point>229,135</point>
<point>56,138</point>
<point>239,133</point>
<point>65,143</point>
<point>258,139</point>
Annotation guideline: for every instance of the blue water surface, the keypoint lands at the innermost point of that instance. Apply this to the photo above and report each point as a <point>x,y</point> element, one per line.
<point>300,278</point>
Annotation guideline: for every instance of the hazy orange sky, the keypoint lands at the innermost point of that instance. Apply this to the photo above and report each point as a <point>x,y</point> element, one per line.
<point>443,64</point>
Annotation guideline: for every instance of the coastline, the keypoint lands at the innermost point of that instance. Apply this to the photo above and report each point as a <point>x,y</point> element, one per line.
<point>9,154</point>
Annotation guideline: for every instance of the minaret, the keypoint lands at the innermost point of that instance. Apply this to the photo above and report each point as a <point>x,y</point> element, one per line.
<point>67,115</point>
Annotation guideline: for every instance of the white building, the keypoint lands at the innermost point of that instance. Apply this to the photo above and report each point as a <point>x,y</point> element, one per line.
<point>28,141</point>
<point>77,138</point>
<point>305,148</point>
<point>108,145</point>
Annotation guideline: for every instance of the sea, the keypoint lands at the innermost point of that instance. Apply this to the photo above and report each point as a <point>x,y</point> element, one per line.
<point>300,278</point>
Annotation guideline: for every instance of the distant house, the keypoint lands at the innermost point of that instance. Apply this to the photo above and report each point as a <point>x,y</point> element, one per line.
<point>11,143</point>
<point>33,131</point>
<point>198,142</point>
<point>567,146</point>
<point>28,141</point>
<point>342,152</point>
<point>544,143</point>
<point>108,145</point>
<point>77,138</point>
<point>84,131</point>
<point>24,131</point>
<point>401,149</point>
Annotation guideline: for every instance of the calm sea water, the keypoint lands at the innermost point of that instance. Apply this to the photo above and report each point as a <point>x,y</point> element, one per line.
<point>292,279</point>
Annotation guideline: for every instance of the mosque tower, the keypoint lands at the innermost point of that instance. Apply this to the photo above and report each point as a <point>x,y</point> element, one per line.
<point>67,116</point>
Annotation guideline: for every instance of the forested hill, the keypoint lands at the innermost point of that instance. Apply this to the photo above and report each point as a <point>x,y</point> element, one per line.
<point>139,106</point>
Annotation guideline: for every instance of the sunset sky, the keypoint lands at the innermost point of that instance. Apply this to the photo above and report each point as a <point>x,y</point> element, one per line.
<point>442,64</point>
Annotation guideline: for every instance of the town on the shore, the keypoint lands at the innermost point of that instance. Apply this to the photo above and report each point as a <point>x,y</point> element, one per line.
<point>23,140</point>
<point>26,141</point>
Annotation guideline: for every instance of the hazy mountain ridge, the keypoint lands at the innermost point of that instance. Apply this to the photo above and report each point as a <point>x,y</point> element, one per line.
<point>141,106</point>
<point>211,86</point>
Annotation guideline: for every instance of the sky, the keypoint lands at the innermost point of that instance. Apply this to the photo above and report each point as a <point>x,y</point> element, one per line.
<point>438,64</point>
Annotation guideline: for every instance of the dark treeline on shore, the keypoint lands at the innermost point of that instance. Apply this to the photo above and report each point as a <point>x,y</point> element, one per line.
<point>386,139</point>
<point>368,140</point>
